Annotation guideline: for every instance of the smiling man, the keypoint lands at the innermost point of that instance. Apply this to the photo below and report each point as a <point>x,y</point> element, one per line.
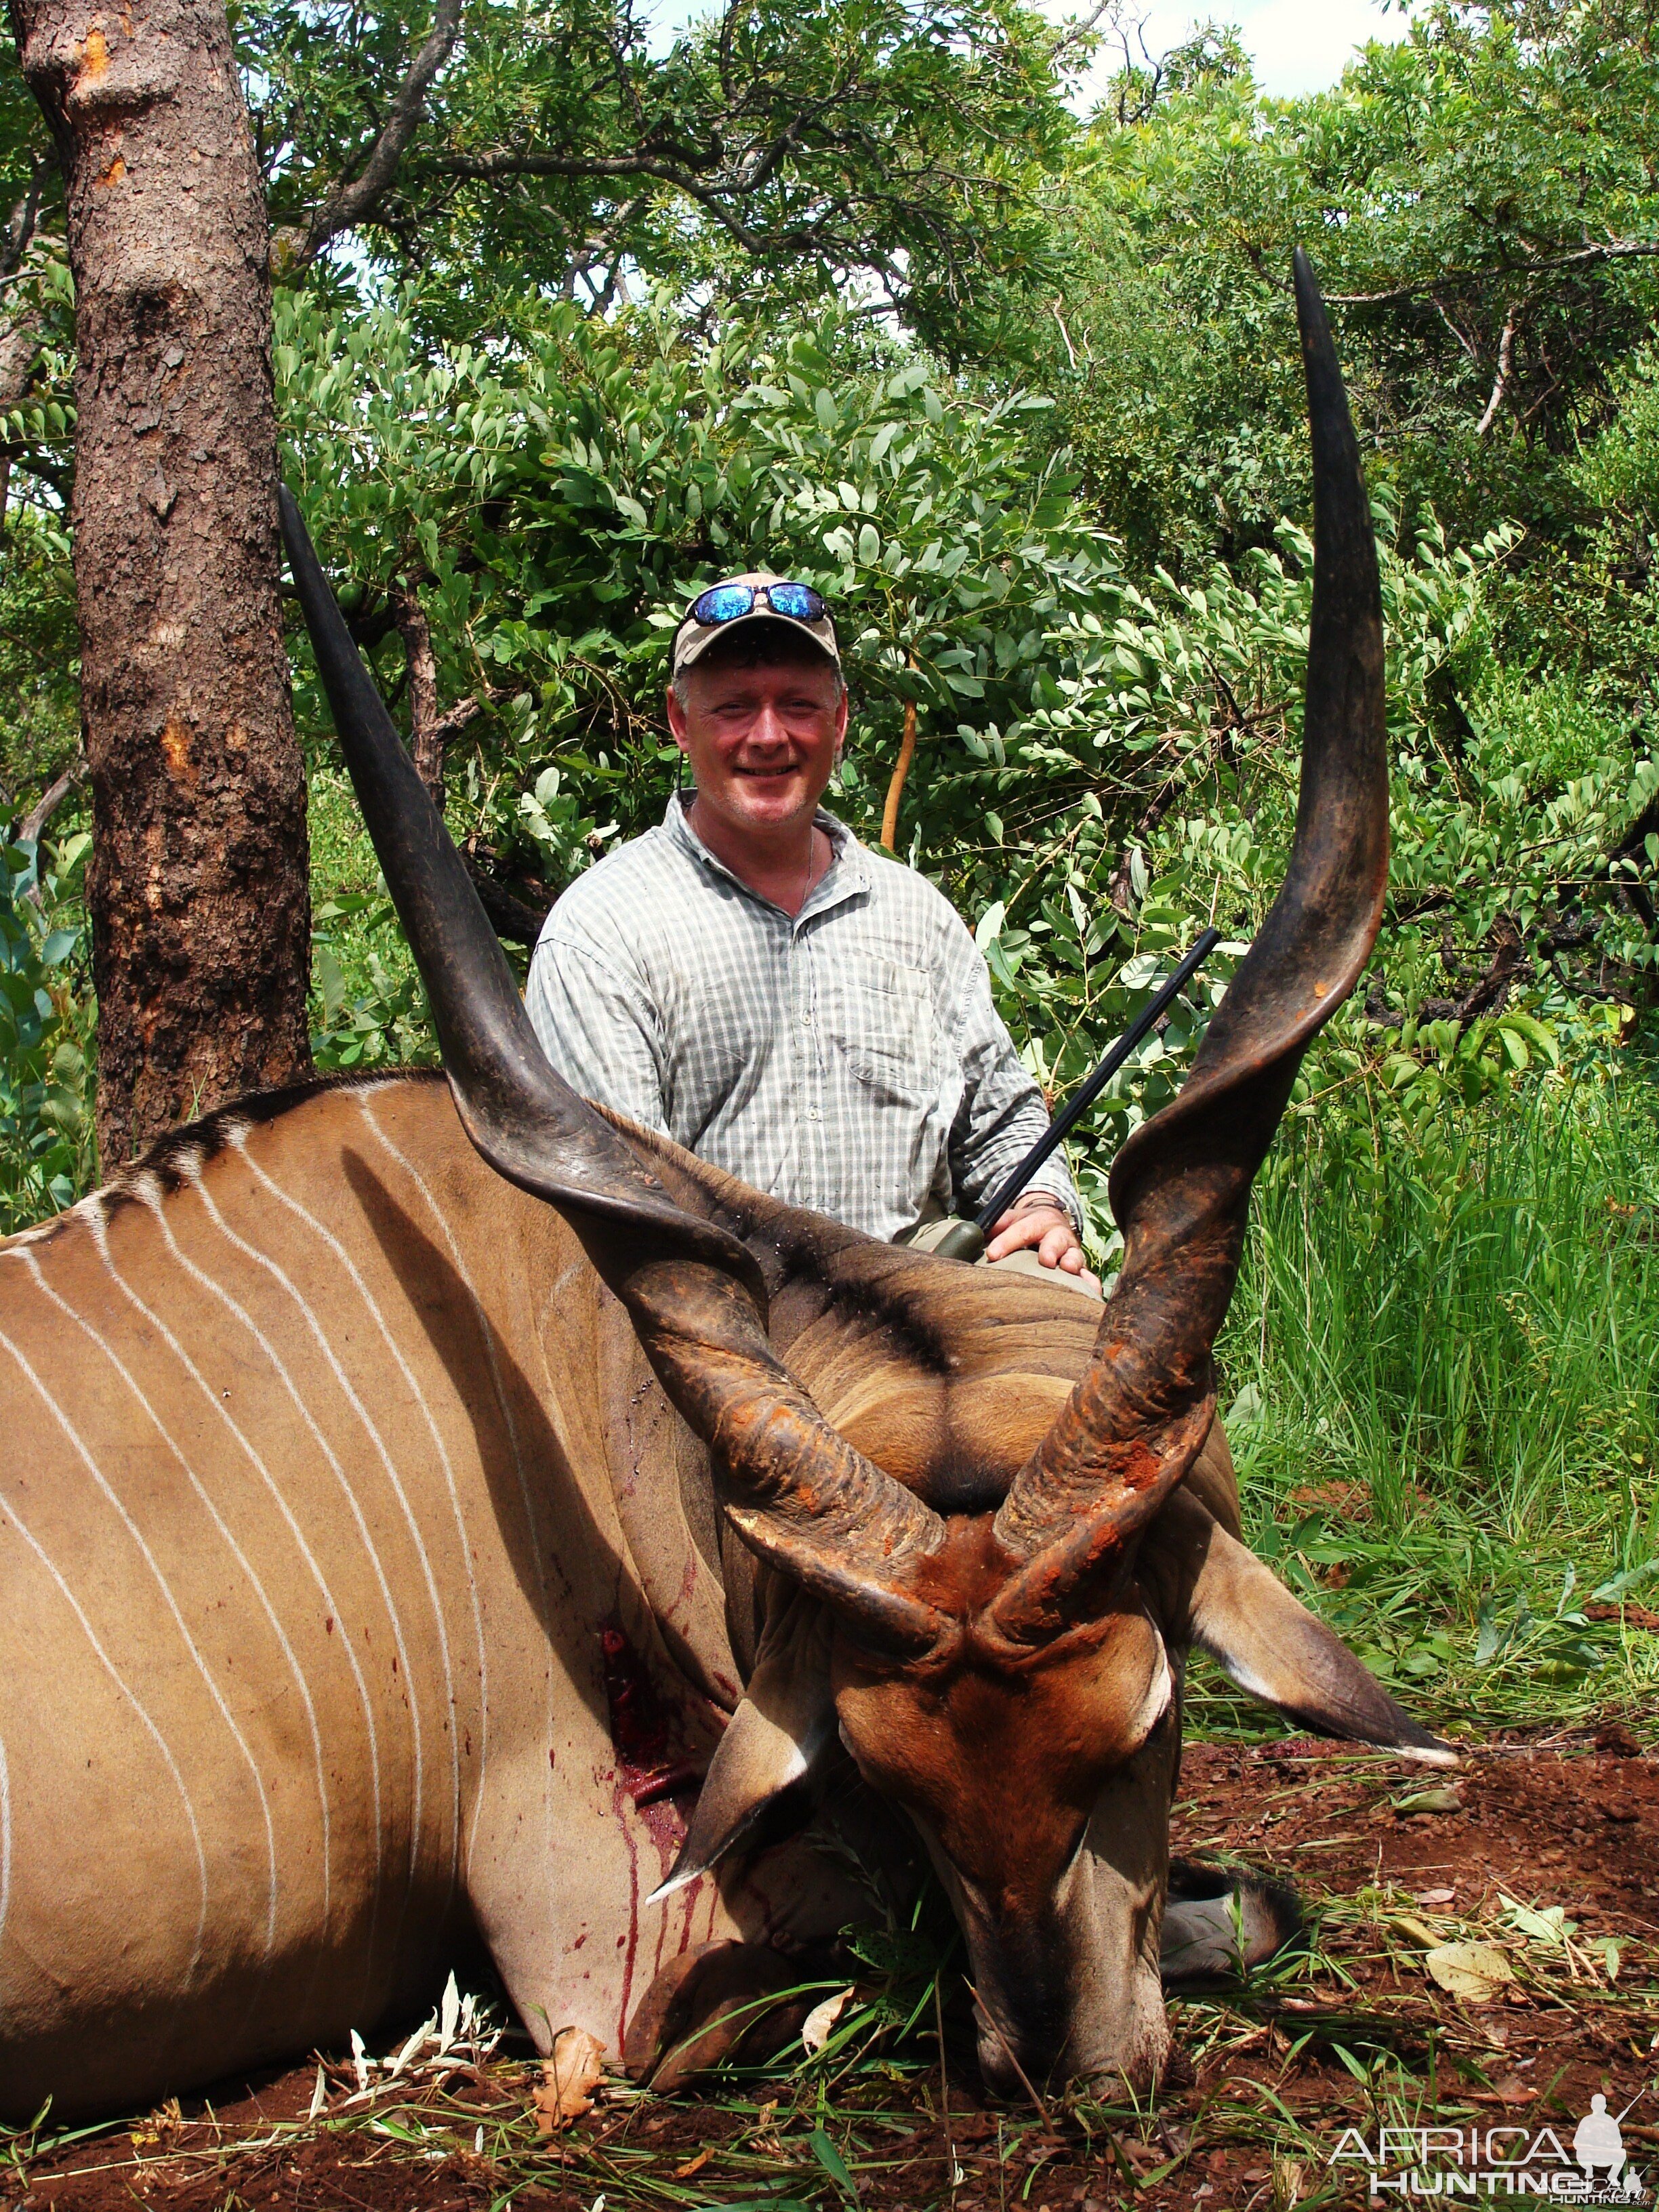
<point>751,981</point>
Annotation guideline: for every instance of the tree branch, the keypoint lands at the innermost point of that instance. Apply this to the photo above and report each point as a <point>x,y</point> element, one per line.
<point>508,915</point>
<point>1500,383</point>
<point>28,830</point>
<point>670,160</point>
<point>21,343</point>
<point>489,168</point>
<point>20,230</point>
<point>907,753</point>
<point>416,634</point>
<point>1440,310</point>
<point>429,731</point>
<point>354,202</point>
<point>1075,33</point>
<point>1584,257</point>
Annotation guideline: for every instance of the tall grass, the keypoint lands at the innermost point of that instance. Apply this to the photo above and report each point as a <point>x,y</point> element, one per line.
<point>1440,1367</point>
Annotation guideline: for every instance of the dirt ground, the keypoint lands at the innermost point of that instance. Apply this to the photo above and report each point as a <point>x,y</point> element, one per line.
<point>1547,1853</point>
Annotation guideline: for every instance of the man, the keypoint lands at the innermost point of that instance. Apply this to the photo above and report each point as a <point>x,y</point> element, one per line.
<point>809,1015</point>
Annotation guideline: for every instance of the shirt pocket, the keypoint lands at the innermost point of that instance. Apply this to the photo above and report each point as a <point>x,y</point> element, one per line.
<point>879,1016</point>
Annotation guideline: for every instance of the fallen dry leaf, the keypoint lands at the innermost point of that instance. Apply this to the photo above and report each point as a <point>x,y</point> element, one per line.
<point>570,2074</point>
<point>1418,1930</point>
<point>1446,1798</point>
<point>694,2164</point>
<point>1473,1972</point>
<point>816,2027</point>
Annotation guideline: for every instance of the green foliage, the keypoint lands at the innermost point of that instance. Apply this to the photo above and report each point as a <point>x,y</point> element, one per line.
<point>39,652</point>
<point>46,1148</point>
<point>1100,763</point>
<point>367,1006</point>
<point>1203,683</point>
<point>561,507</point>
<point>1490,172</point>
<point>774,153</point>
<point>383,1024</point>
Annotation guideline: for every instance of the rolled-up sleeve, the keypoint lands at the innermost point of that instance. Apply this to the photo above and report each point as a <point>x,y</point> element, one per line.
<point>598,1026</point>
<point>1002,1113</point>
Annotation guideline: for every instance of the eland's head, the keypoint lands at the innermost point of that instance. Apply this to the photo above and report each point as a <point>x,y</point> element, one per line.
<point>988,1610</point>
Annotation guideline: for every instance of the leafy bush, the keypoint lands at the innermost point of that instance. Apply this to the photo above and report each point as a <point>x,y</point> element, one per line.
<point>1102,766</point>
<point>47,1154</point>
<point>367,1007</point>
<point>561,506</point>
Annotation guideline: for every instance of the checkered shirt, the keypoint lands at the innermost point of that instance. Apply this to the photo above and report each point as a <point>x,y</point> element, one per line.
<point>848,1059</point>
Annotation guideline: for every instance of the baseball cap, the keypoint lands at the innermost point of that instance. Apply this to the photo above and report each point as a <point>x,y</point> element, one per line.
<point>693,638</point>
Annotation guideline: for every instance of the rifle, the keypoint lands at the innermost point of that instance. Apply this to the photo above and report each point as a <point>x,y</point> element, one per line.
<point>966,1240</point>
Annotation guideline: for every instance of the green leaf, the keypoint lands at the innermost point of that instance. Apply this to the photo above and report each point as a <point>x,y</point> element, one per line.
<point>1549,1926</point>
<point>330,983</point>
<point>1517,1024</point>
<point>834,2164</point>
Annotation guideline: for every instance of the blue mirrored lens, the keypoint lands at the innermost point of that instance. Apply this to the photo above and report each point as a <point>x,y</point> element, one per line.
<point>724,603</point>
<point>800,601</point>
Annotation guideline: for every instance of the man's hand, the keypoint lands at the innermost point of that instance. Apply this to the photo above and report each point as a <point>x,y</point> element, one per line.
<point>1037,1220</point>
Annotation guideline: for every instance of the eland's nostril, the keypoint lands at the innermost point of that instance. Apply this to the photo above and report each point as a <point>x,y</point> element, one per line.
<point>1000,2076</point>
<point>1014,2072</point>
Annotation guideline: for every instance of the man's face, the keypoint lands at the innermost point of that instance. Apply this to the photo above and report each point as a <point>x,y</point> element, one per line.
<point>760,741</point>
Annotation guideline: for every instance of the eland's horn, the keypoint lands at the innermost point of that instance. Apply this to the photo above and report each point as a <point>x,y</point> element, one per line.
<point>798,1493</point>
<point>1181,1186</point>
<point>530,1125</point>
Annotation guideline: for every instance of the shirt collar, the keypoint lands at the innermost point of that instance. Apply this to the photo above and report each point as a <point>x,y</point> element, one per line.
<point>846,874</point>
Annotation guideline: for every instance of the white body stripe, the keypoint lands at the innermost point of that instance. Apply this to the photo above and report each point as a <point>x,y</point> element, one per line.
<point>145,1721</point>
<point>219,1522</point>
<point>279,1367</point>
<point>78,1446</point>
<point>365,1108</point>
<point>207,1283</point>
<point>412,1384</point>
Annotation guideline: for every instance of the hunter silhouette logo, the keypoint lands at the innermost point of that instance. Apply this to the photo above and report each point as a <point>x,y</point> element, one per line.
<point>1502,2161</point>
<point>1598,2141</point>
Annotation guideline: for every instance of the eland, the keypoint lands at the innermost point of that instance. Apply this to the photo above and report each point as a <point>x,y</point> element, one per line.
<point>437,1513</point>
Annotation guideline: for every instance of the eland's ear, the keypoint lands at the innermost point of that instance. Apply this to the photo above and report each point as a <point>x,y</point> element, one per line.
<point>1218,1595</point>
<point>779,1732</point>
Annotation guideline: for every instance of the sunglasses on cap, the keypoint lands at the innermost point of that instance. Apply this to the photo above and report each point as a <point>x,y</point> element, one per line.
<point>724,603</point>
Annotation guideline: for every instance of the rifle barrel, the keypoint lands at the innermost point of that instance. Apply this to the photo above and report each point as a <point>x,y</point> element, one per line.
<point>1079,1104</point>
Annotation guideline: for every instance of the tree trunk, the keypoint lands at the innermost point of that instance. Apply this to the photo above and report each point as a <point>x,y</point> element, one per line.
<point>198,888</point>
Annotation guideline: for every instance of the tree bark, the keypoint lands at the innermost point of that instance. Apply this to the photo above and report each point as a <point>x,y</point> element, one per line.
<point>199,890</point>
<point>428,735</point>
